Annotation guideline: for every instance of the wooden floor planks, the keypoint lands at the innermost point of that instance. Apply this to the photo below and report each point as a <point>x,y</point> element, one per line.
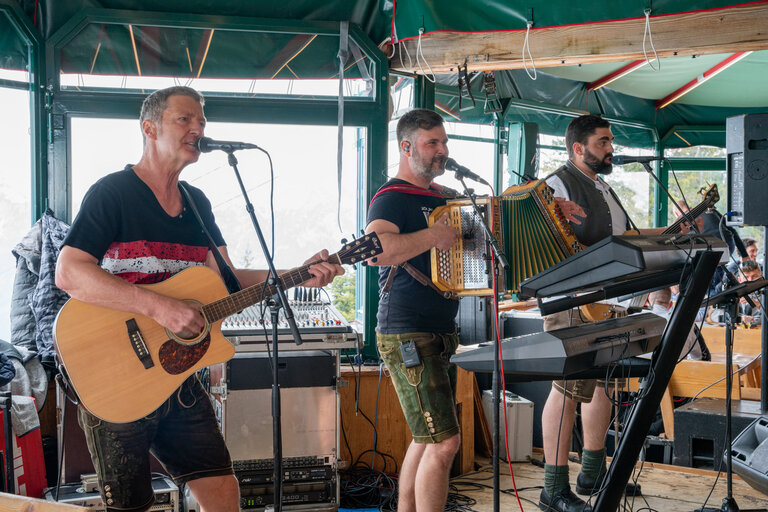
<point>665,488</point>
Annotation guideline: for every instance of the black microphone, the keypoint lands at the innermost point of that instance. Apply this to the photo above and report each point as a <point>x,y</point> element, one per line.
<point>462,172</point>
<point>626,159</point>
<point>206,145</point>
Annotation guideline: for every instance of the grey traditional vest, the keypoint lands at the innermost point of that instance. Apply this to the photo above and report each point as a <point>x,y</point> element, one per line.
<point>583,192</point>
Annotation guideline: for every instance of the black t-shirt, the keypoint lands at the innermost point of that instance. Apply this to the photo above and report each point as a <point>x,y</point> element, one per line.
<point>410,306</point>
<point>123,225</point>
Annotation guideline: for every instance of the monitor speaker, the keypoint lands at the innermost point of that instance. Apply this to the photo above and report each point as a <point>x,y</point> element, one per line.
<point>749,454</point>
<point>746,143</point>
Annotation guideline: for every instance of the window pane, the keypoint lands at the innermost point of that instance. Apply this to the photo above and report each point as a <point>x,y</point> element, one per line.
<point>135,57</point>
<point>401,90</point>
<point>695,152</point>
<point>694,184</point>
<point>14,53</point>
<point>15,192</point>
<point>305,196</point>
<point>690,184</point>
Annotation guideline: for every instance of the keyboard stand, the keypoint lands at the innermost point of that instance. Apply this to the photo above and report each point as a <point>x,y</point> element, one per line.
<point>651,392</point>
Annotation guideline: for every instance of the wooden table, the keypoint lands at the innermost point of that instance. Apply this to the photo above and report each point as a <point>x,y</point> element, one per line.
<point>393,437</point>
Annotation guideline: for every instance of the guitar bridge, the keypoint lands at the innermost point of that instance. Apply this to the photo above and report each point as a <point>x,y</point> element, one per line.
<point>138,344</point>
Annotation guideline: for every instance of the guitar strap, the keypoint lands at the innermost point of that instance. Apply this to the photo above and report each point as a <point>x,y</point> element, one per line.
<point>230,280</point>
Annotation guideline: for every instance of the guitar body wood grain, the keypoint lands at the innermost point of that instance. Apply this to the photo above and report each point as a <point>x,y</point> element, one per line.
<point>94,347</point>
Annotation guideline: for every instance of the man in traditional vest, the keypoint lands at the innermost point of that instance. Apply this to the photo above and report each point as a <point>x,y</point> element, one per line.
<point>589,141</point>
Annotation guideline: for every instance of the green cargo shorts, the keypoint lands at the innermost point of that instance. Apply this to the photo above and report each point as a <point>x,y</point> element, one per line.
<point>427,392</point>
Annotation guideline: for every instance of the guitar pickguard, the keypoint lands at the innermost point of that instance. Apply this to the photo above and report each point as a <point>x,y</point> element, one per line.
<point>176,358</point>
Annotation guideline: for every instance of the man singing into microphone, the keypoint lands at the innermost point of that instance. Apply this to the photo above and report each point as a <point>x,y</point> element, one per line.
<point>136,227</point>
<point>416,331</point>
<point>414,318</point>
<point>590,150</point>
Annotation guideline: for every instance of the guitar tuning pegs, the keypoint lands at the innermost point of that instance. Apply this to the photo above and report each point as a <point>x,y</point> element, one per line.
<point>343,241</point>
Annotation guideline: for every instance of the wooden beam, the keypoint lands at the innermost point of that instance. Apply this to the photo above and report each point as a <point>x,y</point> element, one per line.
<point>727,30</point>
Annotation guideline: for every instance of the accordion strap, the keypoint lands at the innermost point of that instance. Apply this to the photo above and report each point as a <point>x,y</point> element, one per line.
<point>419,276</point>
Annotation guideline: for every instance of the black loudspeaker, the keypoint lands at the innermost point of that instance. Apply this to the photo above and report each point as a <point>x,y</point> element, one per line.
<point>749,454</point>
<point>746,143</point>
<point>473,320</point>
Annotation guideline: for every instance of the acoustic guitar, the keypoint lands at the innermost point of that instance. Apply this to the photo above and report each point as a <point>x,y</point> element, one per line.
<point>598,311</point>
<point>123,366</point>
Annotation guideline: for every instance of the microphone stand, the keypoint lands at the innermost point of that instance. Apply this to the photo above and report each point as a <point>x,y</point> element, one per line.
<point>274,308</point>
<point>498,261</point>
<point>729,298</point>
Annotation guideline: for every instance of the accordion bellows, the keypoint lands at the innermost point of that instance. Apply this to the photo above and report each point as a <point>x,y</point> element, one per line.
<point>531,229</point>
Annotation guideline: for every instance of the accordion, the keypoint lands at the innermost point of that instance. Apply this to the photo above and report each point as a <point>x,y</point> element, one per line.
<point>531,230</point>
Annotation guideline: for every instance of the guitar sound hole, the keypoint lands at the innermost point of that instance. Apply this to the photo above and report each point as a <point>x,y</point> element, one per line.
<point>186,336</point>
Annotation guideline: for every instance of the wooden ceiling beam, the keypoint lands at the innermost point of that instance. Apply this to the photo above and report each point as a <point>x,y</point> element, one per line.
<point>728,30</point>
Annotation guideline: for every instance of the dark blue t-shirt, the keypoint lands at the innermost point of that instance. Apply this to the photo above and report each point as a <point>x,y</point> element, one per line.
<point>410,306</point>
<point>122,224</point>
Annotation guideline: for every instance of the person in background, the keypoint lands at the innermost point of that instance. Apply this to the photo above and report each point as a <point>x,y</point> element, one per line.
<point>750,316</point>
<point>750,244</point>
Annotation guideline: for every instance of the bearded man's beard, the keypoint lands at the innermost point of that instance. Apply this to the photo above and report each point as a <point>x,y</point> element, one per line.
<point>427,170</point>
<point>598,166</point>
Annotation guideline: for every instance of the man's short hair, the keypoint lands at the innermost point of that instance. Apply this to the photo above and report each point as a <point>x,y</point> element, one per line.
<point>418,118</point>
<point>581,128</point>
<point>155,104</point>
<point>748,241</point>
<point>749,266</point>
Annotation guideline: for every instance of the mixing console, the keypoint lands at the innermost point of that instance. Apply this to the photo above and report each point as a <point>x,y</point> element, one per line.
<point>320,324</point>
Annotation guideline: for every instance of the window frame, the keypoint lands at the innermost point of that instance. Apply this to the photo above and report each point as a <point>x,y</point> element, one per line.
<point>370,113</point>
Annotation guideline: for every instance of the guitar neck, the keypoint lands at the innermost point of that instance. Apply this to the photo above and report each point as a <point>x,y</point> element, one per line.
<point>222,308</point>
<point>675,227</point>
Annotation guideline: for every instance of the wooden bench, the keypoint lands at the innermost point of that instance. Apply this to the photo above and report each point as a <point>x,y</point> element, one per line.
<point>690,379</point>
<point>747,342</point>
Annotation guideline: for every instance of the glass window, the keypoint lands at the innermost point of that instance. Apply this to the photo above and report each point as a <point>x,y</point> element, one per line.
<point>232,62</point>
<point>305,196</point>
<point>401,91</point>
<point>14,53</point>
<point>551,154</point>
<point>695,152</point>
<point>694,184</point>
<point>691,185</point>
<point>15,191</point>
